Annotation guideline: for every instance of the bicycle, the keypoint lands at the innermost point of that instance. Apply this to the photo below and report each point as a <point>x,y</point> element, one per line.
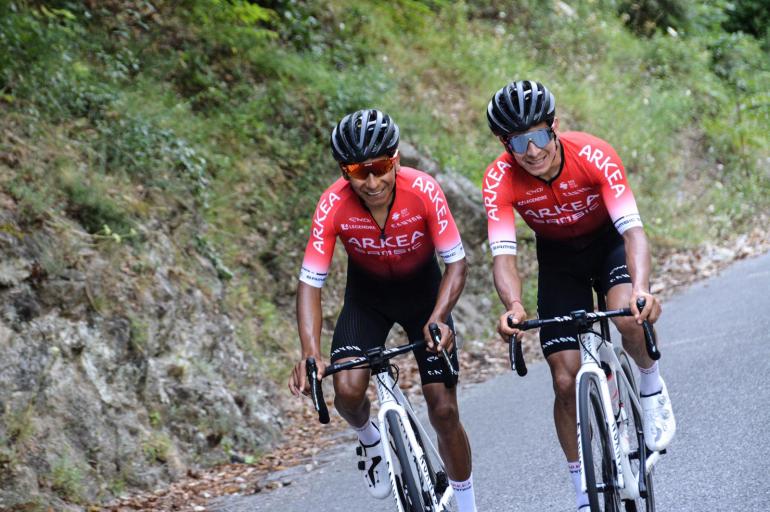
<point>418,478</point>
<point>616,466</point>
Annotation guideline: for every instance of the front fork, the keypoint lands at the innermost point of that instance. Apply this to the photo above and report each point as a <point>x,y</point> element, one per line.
<point>609,419</point>
<point>388,403</point>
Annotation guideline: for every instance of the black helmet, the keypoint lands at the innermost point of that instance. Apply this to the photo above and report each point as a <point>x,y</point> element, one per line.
<point>518,106</point>
<point>363,135</point>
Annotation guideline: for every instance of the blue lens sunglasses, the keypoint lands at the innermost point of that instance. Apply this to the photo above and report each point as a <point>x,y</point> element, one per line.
<point>519,143</point>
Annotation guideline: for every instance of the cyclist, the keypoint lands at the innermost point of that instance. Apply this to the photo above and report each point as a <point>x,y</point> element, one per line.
<point>391,221</point>
<point>571,189</point>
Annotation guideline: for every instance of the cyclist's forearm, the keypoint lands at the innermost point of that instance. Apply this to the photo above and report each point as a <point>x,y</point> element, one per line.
<point>638,258</point>
<point>507,280</point>
<point>309,319</point>
<point>450,289</point>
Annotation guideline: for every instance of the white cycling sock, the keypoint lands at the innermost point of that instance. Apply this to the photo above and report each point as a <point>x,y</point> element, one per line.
<point>369,434</point>
<point>649,382</point>
<point>466,499</point>
<point>581,498</point>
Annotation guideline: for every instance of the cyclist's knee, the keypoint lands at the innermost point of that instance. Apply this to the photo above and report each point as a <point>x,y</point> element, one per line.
<point>443,414</point>
<point>349,394</point>
<point>564,386</point>
<point>628,328</point>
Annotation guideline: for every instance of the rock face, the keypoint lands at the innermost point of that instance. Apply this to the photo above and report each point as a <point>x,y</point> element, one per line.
<point>118,370</point>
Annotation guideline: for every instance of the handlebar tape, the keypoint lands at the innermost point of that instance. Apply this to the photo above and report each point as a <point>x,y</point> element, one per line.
<point>316,391</point>
<point>515,354</point>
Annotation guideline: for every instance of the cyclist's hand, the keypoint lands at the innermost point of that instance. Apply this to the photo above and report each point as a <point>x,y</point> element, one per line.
<point>298,379</point>
<point>518,315</point>
<point>447,337</point>
<point>652,308</point>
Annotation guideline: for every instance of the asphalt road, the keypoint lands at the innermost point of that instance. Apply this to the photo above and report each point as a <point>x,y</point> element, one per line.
<point>716,362</point>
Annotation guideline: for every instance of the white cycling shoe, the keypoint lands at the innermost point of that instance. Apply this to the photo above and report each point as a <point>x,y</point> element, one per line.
<point>372,464</point>
<point>659,421</point>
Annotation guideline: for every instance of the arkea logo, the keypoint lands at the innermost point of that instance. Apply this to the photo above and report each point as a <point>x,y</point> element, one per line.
<point>431,189</point>
<point>491,181</point>
<point>391,242</point>
<point>565,213</point>
<point>321,213</point>
<point>611,170</point>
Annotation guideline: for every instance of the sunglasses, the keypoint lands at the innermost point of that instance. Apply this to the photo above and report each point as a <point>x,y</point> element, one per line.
<point>362,170</point>
<point>519,143</point>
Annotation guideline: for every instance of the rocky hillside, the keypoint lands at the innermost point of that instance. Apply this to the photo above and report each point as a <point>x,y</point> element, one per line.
<point>119,370</point>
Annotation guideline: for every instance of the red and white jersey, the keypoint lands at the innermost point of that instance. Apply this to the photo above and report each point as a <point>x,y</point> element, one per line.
<point>419,224</point>
<point>590,190</point>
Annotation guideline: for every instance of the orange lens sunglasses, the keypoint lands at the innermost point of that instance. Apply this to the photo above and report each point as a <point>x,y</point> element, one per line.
<point>361,171</point>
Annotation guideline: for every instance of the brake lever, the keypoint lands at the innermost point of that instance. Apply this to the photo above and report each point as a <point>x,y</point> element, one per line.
<point>449,373</point>
<point>649,333</point>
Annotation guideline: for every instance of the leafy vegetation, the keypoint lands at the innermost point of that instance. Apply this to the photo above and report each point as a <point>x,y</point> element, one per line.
<point>213,115</point>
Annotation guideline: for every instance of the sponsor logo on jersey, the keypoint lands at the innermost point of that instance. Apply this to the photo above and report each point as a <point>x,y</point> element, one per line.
<point>576,192</point>
<point>610,169</point>
<point>348,227</point>
<point>405,222</point>
<point>389,242</point>
<point>364,220</point>
<point>492,180</point>
<point>531,200</point>
<point>431,189</point>
<point>534,191</point>
<point>321,213</point>
<point>565,213</point>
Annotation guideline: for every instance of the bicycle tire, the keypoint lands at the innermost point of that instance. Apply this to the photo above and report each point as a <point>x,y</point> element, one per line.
<point>408,479</point>
<point>636,436</point>
<point>603,495</point>
<point>436,471</point>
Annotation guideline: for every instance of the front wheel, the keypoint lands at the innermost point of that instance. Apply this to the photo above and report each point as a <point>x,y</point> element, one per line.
<point>436,471</point>
<point>634,434</point>
<point>598,464</point>
<point>407,475</point>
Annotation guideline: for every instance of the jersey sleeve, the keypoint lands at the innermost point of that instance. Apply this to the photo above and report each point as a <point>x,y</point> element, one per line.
<point>320,246</point>
<point>443,230</point>
<point>615,190</point>
<point>498,201</point>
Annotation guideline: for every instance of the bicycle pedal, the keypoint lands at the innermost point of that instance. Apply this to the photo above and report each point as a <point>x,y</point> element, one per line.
<point>663,451</point>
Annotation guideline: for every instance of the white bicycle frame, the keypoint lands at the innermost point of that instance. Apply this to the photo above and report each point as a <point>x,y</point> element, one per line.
<point>392,399</point>
<point>592,349</point>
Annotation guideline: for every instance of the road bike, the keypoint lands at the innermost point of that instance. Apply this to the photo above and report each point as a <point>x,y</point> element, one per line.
<point>617,467</point>
<point>418,478</point>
